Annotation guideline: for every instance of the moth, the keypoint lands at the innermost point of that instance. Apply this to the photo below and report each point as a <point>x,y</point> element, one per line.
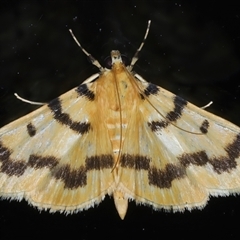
<point>120,135</point>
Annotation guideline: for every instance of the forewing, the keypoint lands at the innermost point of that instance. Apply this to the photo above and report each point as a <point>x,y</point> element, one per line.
<point>59,156</point>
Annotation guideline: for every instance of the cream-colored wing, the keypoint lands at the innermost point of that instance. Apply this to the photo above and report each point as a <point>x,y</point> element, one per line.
<point>58,157</point>
<point>175,155</point>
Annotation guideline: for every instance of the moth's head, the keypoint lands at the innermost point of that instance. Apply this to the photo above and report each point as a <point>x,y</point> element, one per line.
<point>116,56</point>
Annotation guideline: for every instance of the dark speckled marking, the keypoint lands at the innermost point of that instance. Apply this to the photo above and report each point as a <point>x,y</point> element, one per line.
<point>4,153</point>
<point>157,125</point>
<point>233,149</point>
<point>163,178</point>
<point>83,90</point>
<point>204,127</point>
<point>226,164</point>
<point>37,162</point>
<point>199,158</point>
<point>220,164</point>
<point>9,167</point>
<point>31,129</point>
<point>151,89</point>
<point>223,164</point>
<point>99,162</point>
<point>179,105</point>
<point>72,178</point>
<point>64,118</point>
<point>137,162</point>
<point>172,116</point>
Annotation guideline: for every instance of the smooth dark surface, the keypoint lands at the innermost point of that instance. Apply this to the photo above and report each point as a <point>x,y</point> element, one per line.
<point>192,50</point>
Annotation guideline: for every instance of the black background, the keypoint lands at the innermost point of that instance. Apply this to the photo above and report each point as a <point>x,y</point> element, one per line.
<point>193,50</point>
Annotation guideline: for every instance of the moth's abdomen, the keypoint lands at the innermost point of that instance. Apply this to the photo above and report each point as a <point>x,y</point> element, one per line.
<point>116,125</point>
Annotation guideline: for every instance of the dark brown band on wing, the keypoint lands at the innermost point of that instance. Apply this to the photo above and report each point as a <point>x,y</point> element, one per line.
<point>199,158</point>
<point>226,164</point>
<point>179,105</point>
<point>83,90</point>
<point>71,177</point>
<point>13,168</point>
<point>38,162</point>
<point>220,164</point>
<point>172,116</point>
<point>233,149</point>
<point>157,125</point>
<point>163,178</point>
<point>136,162</point>
<point>64,118</point>
<point>4,153</point>
<point>74,178</point>
<point>9,167</point>
<point>99,162</point>
<point>151,89</point>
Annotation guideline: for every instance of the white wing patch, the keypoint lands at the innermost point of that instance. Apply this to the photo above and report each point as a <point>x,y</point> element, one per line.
<point>117,134</point>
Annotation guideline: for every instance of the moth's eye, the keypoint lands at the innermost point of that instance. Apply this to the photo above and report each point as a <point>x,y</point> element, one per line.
<point>126,60</point>
<point>108,61</point>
